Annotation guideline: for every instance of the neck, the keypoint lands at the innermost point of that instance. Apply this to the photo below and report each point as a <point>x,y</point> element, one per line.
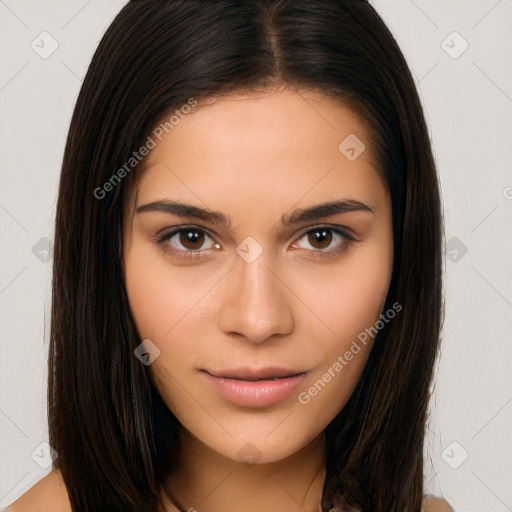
<point>205,481</point>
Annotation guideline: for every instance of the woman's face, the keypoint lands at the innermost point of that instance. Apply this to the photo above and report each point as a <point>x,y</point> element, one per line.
<point>271,285</point>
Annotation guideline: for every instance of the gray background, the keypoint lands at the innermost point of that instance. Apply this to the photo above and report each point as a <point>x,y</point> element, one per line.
<point>467,96</point>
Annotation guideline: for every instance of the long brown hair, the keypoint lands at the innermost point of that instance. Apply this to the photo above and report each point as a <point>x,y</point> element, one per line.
<point>114,436</point>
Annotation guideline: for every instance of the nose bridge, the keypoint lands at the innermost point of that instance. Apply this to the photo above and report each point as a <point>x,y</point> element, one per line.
<point>255,304</point>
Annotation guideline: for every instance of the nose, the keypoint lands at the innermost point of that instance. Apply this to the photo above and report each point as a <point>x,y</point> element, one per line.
<point>255,303</point>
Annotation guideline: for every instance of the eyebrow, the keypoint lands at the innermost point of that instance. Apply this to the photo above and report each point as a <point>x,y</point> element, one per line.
<point>298,216</point>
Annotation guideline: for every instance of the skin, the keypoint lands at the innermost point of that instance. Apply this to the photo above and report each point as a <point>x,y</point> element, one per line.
<point>254,158</point>
<point>50,494</point>
<point>287,308</point>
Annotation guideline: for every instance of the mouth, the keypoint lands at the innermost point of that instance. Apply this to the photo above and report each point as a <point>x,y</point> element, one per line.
<point>255,387</point>
<point>255,374</point>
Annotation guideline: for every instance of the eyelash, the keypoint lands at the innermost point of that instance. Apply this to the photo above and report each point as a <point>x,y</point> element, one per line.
<point>163,240</point>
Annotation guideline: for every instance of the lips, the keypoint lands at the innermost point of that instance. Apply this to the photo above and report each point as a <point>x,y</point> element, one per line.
<point>256,374</point>
<point>263,387</point>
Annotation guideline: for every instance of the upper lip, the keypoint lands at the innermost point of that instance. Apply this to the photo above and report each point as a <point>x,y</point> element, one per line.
<point>246,373</point>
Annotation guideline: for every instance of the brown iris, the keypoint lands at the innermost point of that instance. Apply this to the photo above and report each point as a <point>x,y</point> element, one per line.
<point>193,237</point>
<point>320,236</point>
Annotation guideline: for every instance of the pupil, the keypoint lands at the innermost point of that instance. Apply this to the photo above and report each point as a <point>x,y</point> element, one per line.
<point>319,237</point>
<point>191,237</point>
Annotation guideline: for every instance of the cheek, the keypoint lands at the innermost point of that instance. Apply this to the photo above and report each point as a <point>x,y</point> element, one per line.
<point>348,302</point>
<point>170,306</point>
<point>163,304</point>
<point>161,298</point>
<point>349,298</point>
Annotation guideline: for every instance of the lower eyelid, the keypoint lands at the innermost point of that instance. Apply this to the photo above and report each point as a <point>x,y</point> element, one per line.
<point>345,237</point>
<point>346,240</point>
<point>166,237</point>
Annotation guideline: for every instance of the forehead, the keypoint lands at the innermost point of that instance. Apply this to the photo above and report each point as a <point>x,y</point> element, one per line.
<point>280,145</point>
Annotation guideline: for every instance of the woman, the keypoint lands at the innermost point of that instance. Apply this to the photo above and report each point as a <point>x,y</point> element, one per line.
<point>247,294</point>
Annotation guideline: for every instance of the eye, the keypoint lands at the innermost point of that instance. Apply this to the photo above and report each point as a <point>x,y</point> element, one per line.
<point>322,238</point>
<point>187,242</point>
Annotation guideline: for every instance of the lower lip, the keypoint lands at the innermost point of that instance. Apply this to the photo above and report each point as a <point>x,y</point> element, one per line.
<point>261,393</point>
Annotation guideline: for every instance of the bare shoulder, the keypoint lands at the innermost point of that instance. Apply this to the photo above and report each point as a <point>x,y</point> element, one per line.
<point>431,504</point>
<point>48,494</point>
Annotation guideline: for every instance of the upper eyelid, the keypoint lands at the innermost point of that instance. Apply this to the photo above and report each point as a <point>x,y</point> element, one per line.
<point>166,234</point>
<point>338,229</point>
